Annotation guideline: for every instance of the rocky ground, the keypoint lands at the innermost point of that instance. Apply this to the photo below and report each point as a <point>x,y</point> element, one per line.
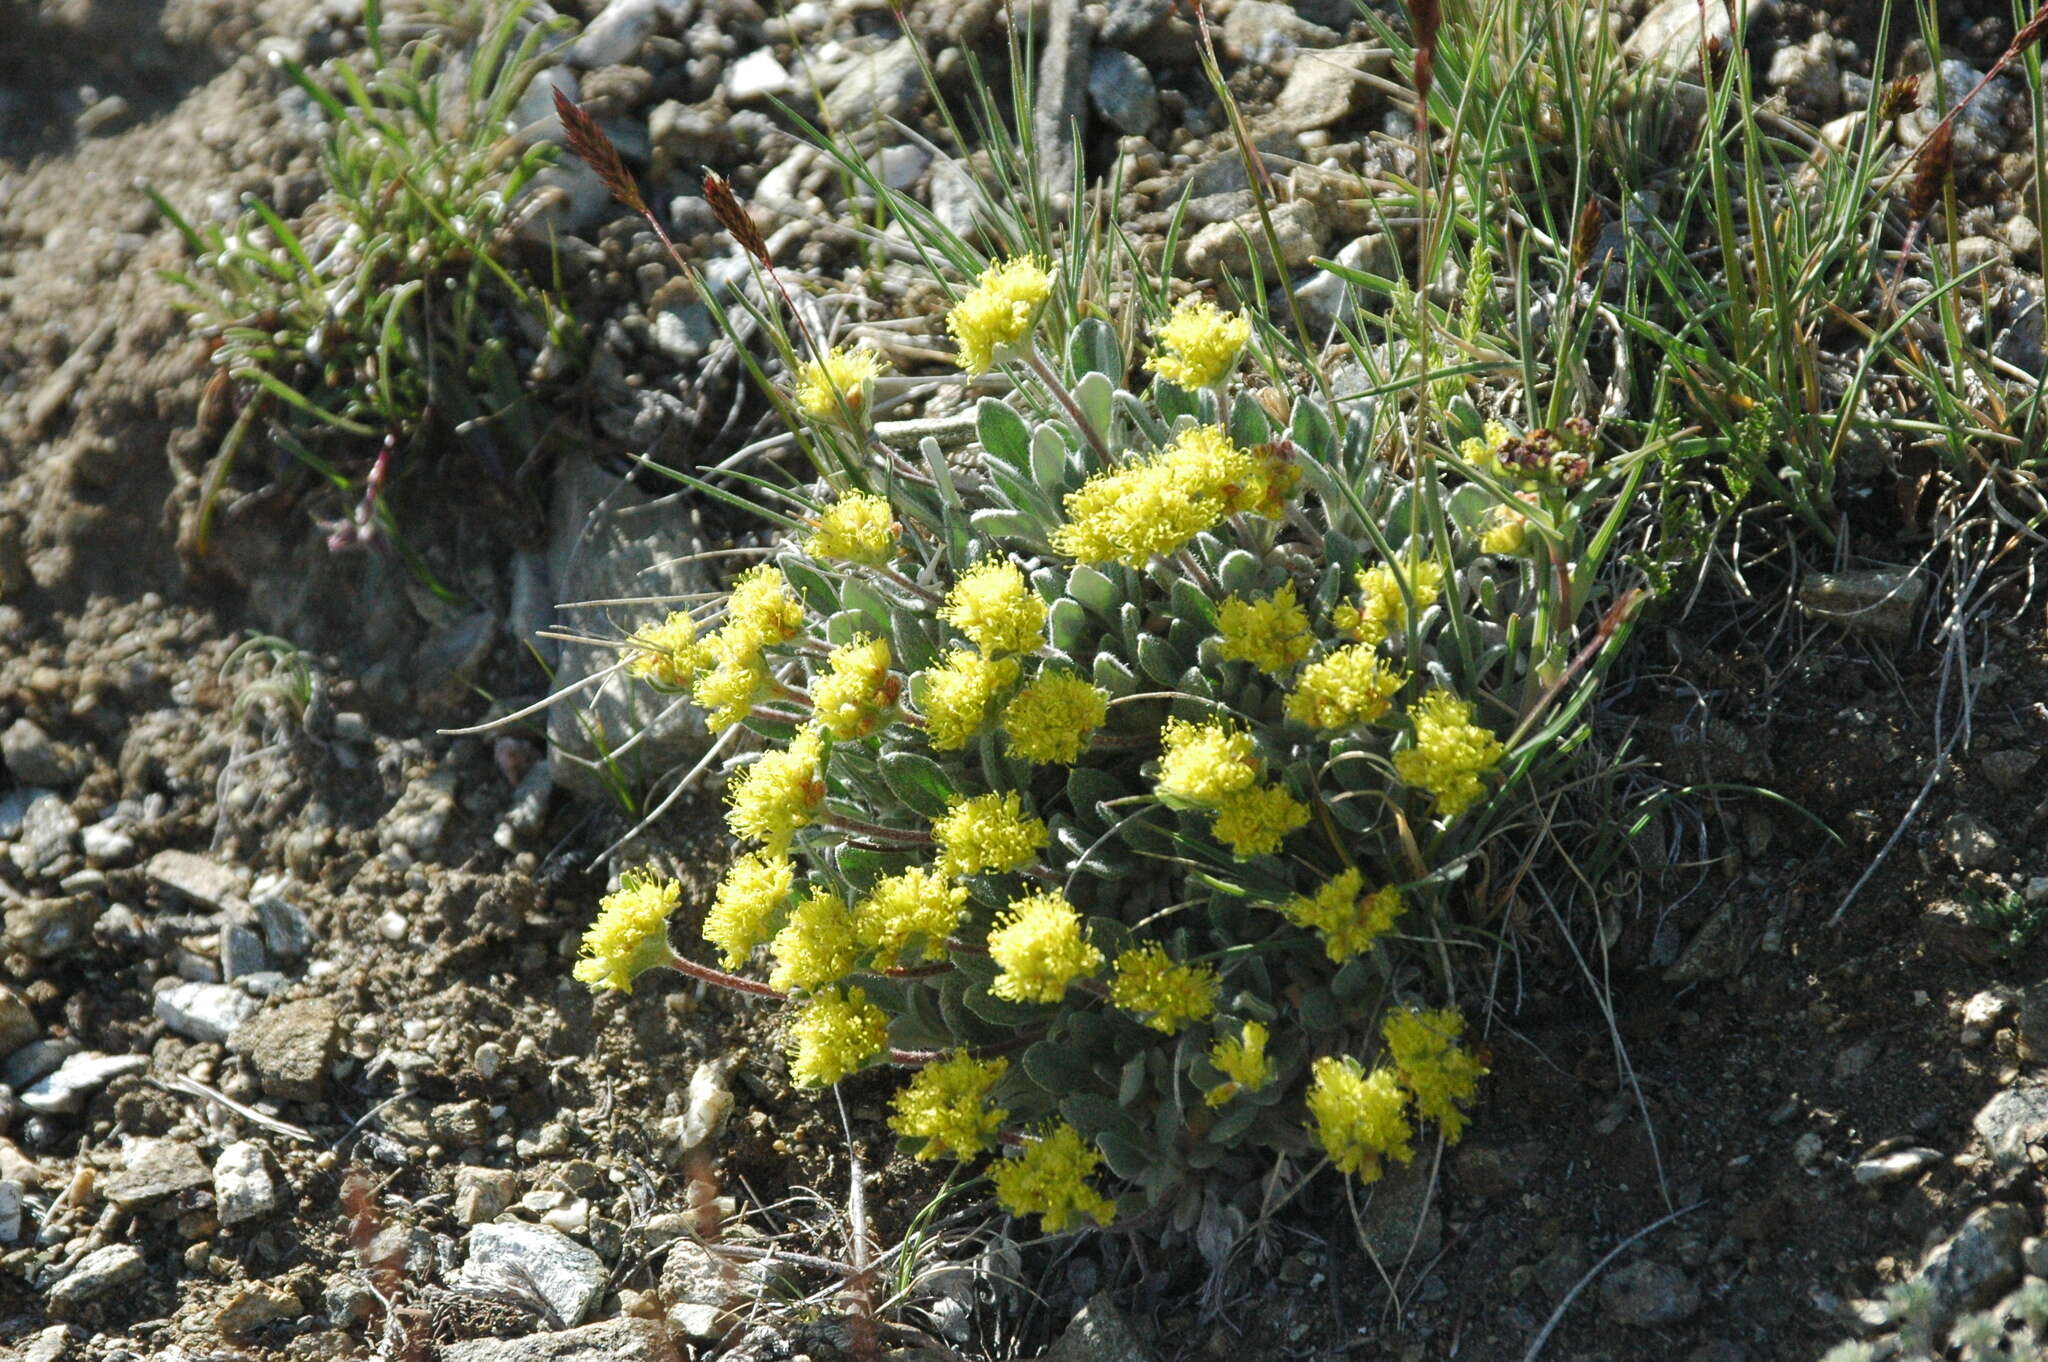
<point>290,1060</point>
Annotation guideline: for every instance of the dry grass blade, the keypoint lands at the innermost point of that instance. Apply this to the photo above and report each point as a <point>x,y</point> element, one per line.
<point>1931,167</point>
<point>588,141</point>
<point>725,205</point>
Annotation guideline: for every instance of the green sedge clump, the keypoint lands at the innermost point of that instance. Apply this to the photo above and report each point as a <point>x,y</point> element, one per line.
<point>1119,796</point>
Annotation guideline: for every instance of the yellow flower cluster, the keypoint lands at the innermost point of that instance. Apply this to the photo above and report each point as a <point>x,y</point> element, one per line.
<point>1051,719</point>
<point>669,654</point>
<point>958,692</point>
<point>781,792</point>
<point>1050,1180</point>
<point>1039,944</point>
<point>630,935</point>
<point>1254,822</point>
<point>860,528</point>
<point>996,609</point>
<point>838,384</point>
<point>998,311</point>
<point>917,905</point>
<point>1432,1066</point>
<point>1241,1059</point>
<point>849,700</point>
<point>762,612</point>
<point>1348,919</point>
<point>1360,1119</point>
<point>1154,506</point>
<point>1382,612</point>
<point>1167,994</point>
<point>1450,752</point>
<point>1271,634</point>
<point>816,945</point>
<point>1205,763</point>
<point>1505,529</point>
<point>987,832</point>
<point>946,1106</point>
<point>1342,688</point>
<point>1199,345</point>
<point>836,1034</point>
<point>753,893</point>
<point>1483,451</point>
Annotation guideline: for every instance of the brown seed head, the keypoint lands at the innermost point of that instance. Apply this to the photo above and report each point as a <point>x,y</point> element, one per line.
<point>595,149</point>
<point>1931,166</point>
<point>731,216</point>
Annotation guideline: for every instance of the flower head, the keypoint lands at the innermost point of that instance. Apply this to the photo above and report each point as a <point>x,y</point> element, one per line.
<point>630,935</point>
<point>857,688</point>
<point>957,693</point>
<point>1051,719</point>
<point>1382,611</point>
<point>1432,1065</point>
<point>732,687</point>
<point>1039,943</point>
<point>1254,822</point>
<point>1483,451</point>
<point>1271,634</point>
<point>946,1105</point>
<point>1154,506</point>
<point>1205,763</point>
<point>755,889</point>
<point>761,612</point>
<point>669,654</point>
<point>1342,688</point>
<point>1450,752</point>
<point>1242,1060</point>
<point>1050,1180</point>
<point>987,832</point>
<point>816,945</point>
<point>836,1034</point>
<point>860,527</point>
<point>778,794</point>
<point>838,385</point>
<point>917,905</point>
<point>1359,1118</point>
<point>998,311</point>
<point>1505,528</point>
<point>996,609</point>
<point>1149,981</point>
<point>1199,346</point>
<point>1348,919</point>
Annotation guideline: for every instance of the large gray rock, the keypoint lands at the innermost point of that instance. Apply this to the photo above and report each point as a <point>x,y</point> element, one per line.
<point>1123,91</point>
<point>1324,89</point>
<point>1059,117</point>
<point>2014,1124</point>
<point>568,1276</point>
<point>97,1273</point>
<point>1980,133</point>
<point>612,542</point>
<point>1649,1295</point>
<point>887,84</point>
<point>614,1339</point>
<point>1099,1333</point>
<point>34,758</point>
<point>291,1047</point>
<point>1670,35</point>
<point>1973,1267</point>
<point>47,836</point>
<point>152,1170</point>
<point>43,928</point>
<point>615,35</point>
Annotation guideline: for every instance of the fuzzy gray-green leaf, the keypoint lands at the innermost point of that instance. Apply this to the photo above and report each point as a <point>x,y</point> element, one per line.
<point>1003,433</point>
<point>918,781</point>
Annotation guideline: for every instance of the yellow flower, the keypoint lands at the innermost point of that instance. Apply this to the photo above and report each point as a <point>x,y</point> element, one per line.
<point>836,1034</point>
<point>1450,752</point>
<point>1346,687</point>
<point>998,311</point>
<point>842,376</point>
<point>1050,1180</point>
<point>1156,505</point>
<point>1254,822</point>
<point>1505,530</point>
<point>1347,922</point>
<point>1382,613</point>
<point>856,690</point>
<point>630,935</point>
<point>816,945</point>
<point>1242,1060</point>
<point>1432,1065</point>
<point>778,794</point>
<point>858,528</point>
<point>1200,345</point>
<point>754,890</point>
<point>1205,763</point>
<point>1148,980</point>
<point>1483,451</point>
<point>916,905</point>
<point>1271,634</point>
<point>1040,945</point>
<point>761,612</point>
<point>1051,719</point>
<point>945,1105</point>
<point>993,606</point>
<point>669,654</point>
<point>987,832</point>
<point>1360,1119</point>
<point>957,695</point>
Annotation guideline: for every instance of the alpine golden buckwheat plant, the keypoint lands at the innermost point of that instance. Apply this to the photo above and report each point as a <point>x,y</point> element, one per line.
<point>1120,778</point>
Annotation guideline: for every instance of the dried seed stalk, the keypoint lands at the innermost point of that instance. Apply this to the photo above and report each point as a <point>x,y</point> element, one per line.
<point>1931,167</point>
<point>1427,16</point>
<point>725,206</point>
<point>595,149</point>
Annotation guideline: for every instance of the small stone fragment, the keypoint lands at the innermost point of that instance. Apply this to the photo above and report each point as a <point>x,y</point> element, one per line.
<point>77,1078</point>
<point>1896,1166</point>
<point>242,1186</point>
<point>33,758</point>
<point>291,1047</point>
<point>1881,601</point>
<point>644,1340</point>
<point>565,1273</point>
<point>17,1024</point>
<point>199,879</point>
<point>44,841</point>
<point>482,1194</point>
<point>251,1306</point>
<point>285,929</point>
<point>207,1012</point>
<point>152,1169</point>
<point>2013,1123</point>
<point>1649,1295</point>
<point>99,1272</point>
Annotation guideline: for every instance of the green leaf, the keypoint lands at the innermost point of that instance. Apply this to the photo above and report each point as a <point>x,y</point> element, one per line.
<point>1311,429</point>
<point>1236,1119</point>
<point>994,524</point>
<point>872,606</point>
<point>918,781</point>
<point>841,628</point>
<point>1088,586</point>
<point>1048,460</point>
<point>1068,624</point>
<point>1058,1067</point>
<point>1113,676</point>
<point>1088,790</point>
<point>1095,395</point>
<point>1127,1158</point>
<point>1095,1115</point>
<point>1249,424</point>
<point>1157,660</point>
<point>1175,402</point>
<point>1190,602</point>
<point>1003,433</point>
<point>815,589</point>
<point>1092,348</point>
<point>1238,573</point>
<point>1132,1083</point>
